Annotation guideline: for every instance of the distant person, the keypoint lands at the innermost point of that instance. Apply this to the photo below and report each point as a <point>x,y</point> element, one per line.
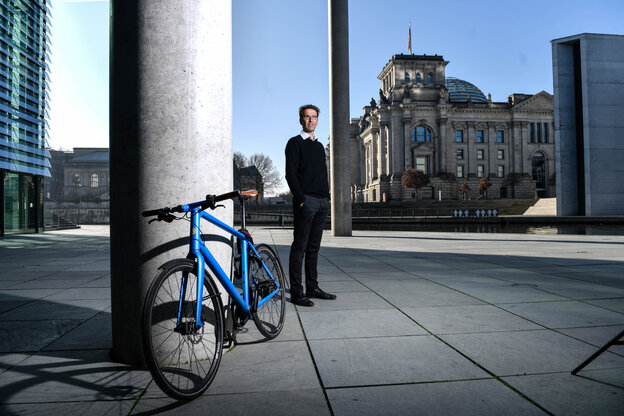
<point>306,174</point>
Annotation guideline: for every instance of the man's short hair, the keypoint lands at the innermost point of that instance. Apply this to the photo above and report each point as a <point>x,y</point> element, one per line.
<point>308,107</point>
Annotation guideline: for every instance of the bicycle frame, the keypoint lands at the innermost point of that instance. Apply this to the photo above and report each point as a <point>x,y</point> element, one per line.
<point>204,257</point>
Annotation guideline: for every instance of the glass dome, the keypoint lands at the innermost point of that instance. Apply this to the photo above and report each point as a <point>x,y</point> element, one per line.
<point>459,90</point>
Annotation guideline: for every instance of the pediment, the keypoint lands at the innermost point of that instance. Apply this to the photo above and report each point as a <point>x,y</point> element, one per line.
<point>542,101</point>
<point>423,147</point>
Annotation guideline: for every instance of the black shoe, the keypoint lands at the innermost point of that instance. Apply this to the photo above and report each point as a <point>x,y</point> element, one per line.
<point>319,294</point>
<point>301,301</point>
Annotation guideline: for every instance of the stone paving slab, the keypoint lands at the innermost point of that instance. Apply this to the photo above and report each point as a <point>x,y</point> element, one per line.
<point>18,336</point>
<point>377,361</point>
<point>353,324</point>
<point>472,397</point>
<point>528,352</point>
<point>304,402</point>
<point>468,319</point>
<point>597,392</point>
<point>68,376</point>
<point>566,314</point>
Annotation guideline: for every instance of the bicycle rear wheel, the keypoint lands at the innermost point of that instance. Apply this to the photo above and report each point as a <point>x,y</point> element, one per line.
<point>182,358</point>
<point>269,313</point>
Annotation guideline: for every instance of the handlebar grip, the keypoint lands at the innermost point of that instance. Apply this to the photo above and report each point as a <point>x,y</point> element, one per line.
<point>226,196</point>
<point>151,213</point>
<point>165,210</point>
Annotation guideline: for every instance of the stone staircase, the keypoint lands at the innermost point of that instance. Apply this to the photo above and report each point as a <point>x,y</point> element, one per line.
<point>57,222</point>
<point>543,207</point>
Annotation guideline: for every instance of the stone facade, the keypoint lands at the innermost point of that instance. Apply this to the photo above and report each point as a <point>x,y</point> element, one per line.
<point>450,130</point>
<point>79,176</point>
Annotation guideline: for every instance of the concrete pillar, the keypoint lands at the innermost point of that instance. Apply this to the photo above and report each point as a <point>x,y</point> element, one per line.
<point>171,129</point>
<point>340,158</point>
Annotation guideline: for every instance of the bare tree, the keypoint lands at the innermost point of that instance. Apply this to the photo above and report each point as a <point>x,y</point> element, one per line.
<point>415,179</point>
<point>484,184</point>
<point>270,176</point>
<point>240,161</point>
<point>465,188</point>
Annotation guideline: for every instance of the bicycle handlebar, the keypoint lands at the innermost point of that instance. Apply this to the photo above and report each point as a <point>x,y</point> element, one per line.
<point>164,214</point>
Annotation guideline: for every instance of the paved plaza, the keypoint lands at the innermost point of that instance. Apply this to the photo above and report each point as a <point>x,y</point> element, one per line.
<point>424,324</point>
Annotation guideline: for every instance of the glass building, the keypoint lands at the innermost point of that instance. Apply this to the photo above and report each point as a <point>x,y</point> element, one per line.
<point>24,155</point>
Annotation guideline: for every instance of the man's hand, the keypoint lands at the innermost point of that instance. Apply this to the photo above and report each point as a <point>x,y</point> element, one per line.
<point>300,205</point>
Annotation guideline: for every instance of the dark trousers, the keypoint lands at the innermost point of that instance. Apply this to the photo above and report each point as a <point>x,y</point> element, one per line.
<point>309,220</point>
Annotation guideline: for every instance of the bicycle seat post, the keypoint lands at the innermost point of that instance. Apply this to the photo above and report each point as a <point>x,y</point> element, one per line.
<point>243,214</point>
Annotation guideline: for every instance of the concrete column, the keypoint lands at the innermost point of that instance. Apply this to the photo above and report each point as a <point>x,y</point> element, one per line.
<point>170,143</point>
<point>340,158</point>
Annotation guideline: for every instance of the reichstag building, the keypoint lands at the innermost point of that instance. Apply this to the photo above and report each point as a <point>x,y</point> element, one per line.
<point>450,130</point>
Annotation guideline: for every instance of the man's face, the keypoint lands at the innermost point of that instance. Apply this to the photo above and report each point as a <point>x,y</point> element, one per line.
<point>309,120</point>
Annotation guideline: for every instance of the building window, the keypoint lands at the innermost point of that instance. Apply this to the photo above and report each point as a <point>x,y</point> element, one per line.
<point>545,132</point>
<point>480,138</point>
<point>459,136</point>
<point>94,180</point>
<point>407,77</point>
<point>418,77</point>
<point>479,153</point>
<point>460,154</point>
<point>500,136</point>
<point>500,171</point>
<point>501,154</point>
<point>531,133</point>
<point>480,170</point>
<point>422,163</point>
<point>539,132</point>
<point>429,78</point>
<point>460,171</point>
<point>538,167</point>
<point>421,134</point>
<point>76,179</point>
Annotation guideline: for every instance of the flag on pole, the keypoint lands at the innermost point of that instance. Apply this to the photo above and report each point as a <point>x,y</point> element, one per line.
<point>409,38</point>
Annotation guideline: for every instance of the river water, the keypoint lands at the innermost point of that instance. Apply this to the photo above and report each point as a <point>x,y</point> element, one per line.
<point>578,229</point>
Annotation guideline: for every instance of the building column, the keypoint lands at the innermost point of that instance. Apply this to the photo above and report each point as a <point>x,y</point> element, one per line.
<point>170,140</point>
<point>375,149</point>
<point>407,155</point>
<point>441,148</point>
<point>382,150</point>
<point>340,158</point>
<point>398,148</point>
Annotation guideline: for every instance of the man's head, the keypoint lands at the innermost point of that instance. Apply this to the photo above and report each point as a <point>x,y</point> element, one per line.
<point>308,117</point>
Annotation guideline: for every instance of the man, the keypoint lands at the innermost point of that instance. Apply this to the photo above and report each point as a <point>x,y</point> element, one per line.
<point>306,174</point>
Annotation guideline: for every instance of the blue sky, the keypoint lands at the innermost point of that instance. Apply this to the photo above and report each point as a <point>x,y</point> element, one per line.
<point>280,57</point>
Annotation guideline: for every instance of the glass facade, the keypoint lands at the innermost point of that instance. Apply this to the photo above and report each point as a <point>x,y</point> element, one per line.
<point>24,154</point>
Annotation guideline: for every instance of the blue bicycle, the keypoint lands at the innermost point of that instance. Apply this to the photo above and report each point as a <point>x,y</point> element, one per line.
<point>183,338</point>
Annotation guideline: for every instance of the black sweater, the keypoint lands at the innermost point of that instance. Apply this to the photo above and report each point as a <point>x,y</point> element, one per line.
<point>306,169</point>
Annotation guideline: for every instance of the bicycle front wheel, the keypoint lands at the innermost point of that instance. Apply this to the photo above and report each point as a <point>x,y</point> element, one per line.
<point>268,291</point>
<point>182,356</point>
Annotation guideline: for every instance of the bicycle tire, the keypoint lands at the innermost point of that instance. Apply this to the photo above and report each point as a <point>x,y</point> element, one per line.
<point>269,317</point>
<point>183,361</point>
